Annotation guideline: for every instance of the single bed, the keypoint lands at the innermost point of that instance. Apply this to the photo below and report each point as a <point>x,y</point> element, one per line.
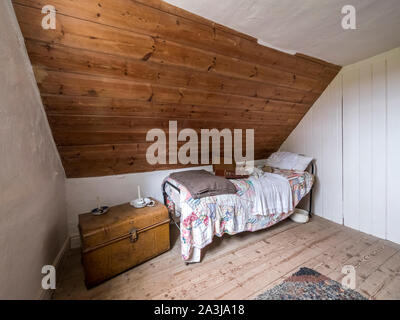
<point>201,219</point>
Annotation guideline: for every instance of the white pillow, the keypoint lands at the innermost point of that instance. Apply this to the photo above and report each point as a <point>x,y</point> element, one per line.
<point>288,161</point>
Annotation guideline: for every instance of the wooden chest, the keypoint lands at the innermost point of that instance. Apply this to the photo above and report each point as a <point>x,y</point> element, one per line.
<point>121,238</point>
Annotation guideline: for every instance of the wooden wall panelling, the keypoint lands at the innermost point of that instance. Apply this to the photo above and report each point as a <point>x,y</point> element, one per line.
<point>112,70</point>
<point>393,146</point>
<point>379,155</point>
<point>141,18</point>
<point>367,95</point>
<point>107,159</point>
<point>71,84</point>
<point>319,134</point>
<point>166,7</point>
<point>365,165</point>
<point>85,137</point>
<point>351,152</point>
<point>88,105</point>
<point>82,61</point>
<point>78,33</point>
<point>331,151</point>
<point>368,195</point>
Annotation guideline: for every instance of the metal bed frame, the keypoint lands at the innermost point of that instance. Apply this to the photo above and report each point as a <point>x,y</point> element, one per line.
<point>312,165</point>
<point>165,195</point>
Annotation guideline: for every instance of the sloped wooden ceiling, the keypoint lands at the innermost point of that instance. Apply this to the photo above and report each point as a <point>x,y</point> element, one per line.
<point>114,69</point>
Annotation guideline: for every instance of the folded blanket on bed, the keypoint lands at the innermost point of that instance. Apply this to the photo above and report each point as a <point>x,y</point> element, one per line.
<point>273,195</point>
<point>201,183</point>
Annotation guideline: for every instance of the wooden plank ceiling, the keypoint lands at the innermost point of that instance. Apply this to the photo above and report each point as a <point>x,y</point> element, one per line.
<point>114,69</point>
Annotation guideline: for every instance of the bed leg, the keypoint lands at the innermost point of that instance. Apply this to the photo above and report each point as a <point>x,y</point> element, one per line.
<point>311,191</point>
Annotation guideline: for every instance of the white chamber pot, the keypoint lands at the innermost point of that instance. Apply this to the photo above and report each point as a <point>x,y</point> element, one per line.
<point>300,216</point>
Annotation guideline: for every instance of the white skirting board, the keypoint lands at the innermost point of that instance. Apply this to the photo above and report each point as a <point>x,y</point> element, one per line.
<point>75,241</point>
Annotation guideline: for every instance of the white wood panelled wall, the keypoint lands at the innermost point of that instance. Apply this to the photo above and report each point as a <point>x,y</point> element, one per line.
<point>319,134</point>
<point>353,132</point>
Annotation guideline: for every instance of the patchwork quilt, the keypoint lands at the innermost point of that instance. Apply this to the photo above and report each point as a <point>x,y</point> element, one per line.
<point>201,219</point>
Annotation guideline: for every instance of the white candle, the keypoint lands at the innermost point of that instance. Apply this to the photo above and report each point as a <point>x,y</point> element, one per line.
<point>138,191</point>
<point>98,203</point>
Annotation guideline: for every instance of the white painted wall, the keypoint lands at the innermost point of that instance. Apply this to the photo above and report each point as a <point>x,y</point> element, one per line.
<point>371,145</point>
<point>319,134</point>
<point>33,224</point>
<point>369,193</point>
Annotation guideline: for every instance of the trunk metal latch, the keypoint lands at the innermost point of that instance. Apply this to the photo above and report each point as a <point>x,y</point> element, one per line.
<point>133,235</point>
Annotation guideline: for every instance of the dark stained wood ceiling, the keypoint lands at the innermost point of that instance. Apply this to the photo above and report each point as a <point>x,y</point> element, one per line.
<point>114,69</point>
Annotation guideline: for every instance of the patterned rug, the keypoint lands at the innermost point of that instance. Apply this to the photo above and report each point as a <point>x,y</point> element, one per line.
<point>308,284</point>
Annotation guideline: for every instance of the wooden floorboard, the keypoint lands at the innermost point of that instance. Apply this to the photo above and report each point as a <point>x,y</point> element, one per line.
<point>245,265</point>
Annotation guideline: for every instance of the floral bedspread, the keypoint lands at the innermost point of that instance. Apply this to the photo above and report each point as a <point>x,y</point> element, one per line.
<point>201,219</point>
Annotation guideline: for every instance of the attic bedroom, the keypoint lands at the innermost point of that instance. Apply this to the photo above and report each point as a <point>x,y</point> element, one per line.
<point>199,150</point>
